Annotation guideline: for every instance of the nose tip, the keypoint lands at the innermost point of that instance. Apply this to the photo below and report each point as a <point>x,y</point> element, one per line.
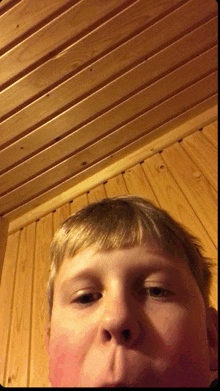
<point>121,327</point>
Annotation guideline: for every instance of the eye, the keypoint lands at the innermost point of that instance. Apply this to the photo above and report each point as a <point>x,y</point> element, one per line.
<point>158,292</point>
<point>87,298</point>
<point>155,291</point>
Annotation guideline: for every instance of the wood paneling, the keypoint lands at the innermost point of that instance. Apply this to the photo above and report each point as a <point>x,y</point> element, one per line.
<point>211,133</point>
<point>171,198</point>
<point>204,155</point>
<point>138,184</point>
<point>38,364</point>
<point>111,166</point>
<point>98,99</point>
<point>175,179</point>
<point>3,240</point>
<point>20,330</point>
<point>6,299</point>
<point>195,186</point>
<point>116,186</point>
<point>113,79</point>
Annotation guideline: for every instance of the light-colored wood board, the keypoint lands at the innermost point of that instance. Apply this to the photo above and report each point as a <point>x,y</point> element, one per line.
<point>79,18</point>
<point>211,133</point>
<point>137,78</point>
<point>7,3</point>
<point>115,186</point>
<point>172,199</point>
<point>6,298</point>
<point>96,194</point>
<point>3,241</point>
<point>71,25</point>
<point>48,136</point>
<point>78,203</point>
<point>101,70</point>
<point>108,145</point>
<point>138,184</point>
<point>201,115</point>
<point>24,16</point>
<point>169,132</point>
<point>204,155</point>
<point>141,101</point>
<point>198,191</point>
<point>59,215</point>
<point>38,354</point>
<point>18,351</point>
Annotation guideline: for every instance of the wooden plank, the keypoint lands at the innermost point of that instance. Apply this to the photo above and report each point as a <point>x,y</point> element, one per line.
<point>25,17</point>
<point>99,42</point>
<point>38,353</point>
<point>143,100</point>
<point>6,298</point>
<point>204,155</point>
<point>107,145</point>
<point>181,50</point>
<point>78,203</point>
<point>59,215</point>
<point>138,184</point>
<point>6,4</point>
<point>3,241</point>
<point>115,186</point>
<point>175,130</point>
<point>31,51</point>
<point>96,194</point>
<point>172,199</point>
<point>198,191</point>
<point>211,133</point>
<point>18,351</point>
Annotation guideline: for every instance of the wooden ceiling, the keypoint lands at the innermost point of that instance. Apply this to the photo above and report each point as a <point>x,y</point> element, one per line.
<point>84,83</point>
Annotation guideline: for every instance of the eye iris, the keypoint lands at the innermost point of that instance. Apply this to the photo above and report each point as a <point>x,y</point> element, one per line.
<point>87,298</point>
<point>156,291</point>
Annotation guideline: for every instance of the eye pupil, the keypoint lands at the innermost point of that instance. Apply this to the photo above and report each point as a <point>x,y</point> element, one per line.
<point>87,298</point>
<point>156,291</point>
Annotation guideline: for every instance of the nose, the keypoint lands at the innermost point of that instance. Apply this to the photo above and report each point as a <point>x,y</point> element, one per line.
<point>120,323</point>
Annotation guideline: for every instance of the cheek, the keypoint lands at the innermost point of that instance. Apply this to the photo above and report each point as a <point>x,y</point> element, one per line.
<point>64,361</point>
<point>182,347</point>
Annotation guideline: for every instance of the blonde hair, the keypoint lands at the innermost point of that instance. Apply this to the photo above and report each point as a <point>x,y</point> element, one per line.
<point>123,222</point>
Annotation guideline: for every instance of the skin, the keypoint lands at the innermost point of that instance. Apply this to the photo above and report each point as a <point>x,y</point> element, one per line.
<point>126,319</point>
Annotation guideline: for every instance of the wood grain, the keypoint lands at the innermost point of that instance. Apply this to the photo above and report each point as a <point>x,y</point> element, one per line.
<point>19,343</point>
<point>211,133</point>
<point>25,17</point>
<point>115,186</point>
<point>38,375</point>
<point>99,72</point>
<point>204,155</point>
<point>198,191</point>
<point>6,298</point>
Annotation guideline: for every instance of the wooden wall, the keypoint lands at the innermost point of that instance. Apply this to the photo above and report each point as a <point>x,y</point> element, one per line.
<point>181,179</point>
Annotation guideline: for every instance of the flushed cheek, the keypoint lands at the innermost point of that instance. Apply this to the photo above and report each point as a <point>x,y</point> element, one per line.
<point>64,362</point>
<point>79,363</point>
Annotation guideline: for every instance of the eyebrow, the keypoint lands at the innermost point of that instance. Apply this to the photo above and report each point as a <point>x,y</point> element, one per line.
<point>81,275</point>
<point>91,274</point>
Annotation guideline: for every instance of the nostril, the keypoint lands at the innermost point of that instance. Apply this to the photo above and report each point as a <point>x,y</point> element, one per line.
<point>107,335</point>
<point>126,334</point>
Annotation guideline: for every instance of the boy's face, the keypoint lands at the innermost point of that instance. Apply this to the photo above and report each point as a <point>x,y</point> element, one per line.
<point>129,317</point>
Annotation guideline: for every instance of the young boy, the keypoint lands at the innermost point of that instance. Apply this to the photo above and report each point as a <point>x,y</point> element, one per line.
<point>128,298</point>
